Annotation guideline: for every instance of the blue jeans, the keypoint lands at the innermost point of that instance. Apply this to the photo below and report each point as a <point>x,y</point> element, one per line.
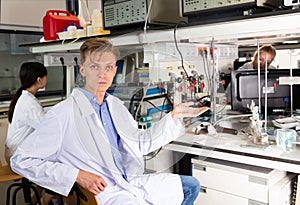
<point>191,188</point>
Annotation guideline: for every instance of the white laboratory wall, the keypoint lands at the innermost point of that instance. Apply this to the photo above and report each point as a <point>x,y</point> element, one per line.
<point>289,58</point>
<point>28,13</point>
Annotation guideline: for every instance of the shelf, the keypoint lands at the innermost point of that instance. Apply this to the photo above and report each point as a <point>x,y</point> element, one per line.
<point>265,29</point>
<point>74,45</point>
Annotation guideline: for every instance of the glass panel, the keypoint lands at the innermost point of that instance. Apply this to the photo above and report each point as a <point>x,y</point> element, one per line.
<point>12,56</point>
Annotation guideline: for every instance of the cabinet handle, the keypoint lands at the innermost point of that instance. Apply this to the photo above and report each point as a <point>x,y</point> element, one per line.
<point>203,189</point>
<point>199,167</point>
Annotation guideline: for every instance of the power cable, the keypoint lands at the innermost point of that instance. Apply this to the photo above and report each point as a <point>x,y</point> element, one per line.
<point>181,57</point>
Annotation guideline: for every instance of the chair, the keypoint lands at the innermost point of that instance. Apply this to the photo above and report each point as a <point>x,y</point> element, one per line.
<point>7,175</point>
<point>84,197</point>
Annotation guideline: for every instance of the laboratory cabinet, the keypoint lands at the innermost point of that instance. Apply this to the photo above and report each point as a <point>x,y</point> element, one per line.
<point>3,132</point>
<point>224,182</point>
<point>27,14</point>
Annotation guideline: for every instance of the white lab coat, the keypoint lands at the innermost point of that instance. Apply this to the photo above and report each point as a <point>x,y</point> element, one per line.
<point>28,114</point>
<point>72,138</point>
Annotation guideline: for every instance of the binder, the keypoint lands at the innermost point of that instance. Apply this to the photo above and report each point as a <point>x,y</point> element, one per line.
<point>296,192</point>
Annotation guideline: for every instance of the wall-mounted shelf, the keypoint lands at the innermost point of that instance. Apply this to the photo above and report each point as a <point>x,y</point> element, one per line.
<point>265,29</point>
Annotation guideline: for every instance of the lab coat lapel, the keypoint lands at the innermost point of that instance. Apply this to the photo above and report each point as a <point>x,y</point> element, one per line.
<point>122,121</point>
<point>127,129</point>
<point>92,132</point>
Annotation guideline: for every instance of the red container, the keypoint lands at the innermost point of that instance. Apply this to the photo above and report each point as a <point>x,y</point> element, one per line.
<point>56,21</point>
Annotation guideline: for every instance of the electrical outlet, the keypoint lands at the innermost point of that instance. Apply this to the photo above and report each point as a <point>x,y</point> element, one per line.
<point>54,59</point>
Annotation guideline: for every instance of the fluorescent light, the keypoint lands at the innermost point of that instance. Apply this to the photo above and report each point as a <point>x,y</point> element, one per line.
<point>290,42</point>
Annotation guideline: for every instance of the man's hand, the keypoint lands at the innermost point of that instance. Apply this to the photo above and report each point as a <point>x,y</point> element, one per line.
<point>91,182</point>
<point>185,110</point>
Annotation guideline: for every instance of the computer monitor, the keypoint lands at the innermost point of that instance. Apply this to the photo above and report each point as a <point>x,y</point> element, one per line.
<point>121,73</point>
<point>239,63</point>
<point>245,89</point>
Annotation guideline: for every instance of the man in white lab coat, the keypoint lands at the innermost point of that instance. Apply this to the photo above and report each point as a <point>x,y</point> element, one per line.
<point>92,139</point>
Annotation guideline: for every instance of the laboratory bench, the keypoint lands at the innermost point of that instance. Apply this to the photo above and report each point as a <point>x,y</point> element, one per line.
<point>226,165</point>
<point>46,102</point>
<point>237,148</point>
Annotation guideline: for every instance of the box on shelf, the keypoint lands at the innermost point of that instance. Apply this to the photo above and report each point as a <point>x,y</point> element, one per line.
<point>56,21</point>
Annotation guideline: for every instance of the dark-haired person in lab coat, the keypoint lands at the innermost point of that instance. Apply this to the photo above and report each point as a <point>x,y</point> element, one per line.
<point>26,113</point>
<point>92,139</point>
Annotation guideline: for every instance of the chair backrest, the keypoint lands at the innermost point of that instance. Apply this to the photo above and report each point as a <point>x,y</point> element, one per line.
<point>86,197</point>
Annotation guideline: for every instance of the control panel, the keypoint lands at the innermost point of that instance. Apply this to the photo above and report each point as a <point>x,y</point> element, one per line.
<point>200,5</point>
<point>125,12</point>
<point>291,2</point>
<point>191,6</point>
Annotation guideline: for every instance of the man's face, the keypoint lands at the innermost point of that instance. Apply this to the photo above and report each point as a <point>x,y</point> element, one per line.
<point>264,57</point>
<point>99,70</point>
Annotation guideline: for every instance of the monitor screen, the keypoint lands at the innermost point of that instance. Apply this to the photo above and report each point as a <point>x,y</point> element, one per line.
<point>245,89</point>
<point>121,72</point>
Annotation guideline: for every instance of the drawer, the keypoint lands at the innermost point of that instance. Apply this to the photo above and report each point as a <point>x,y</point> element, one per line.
<point>214,197</point>
<point>246,181</point>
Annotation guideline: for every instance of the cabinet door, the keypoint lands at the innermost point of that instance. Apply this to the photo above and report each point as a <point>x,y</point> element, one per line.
<point>29,12</point>
<point>3,132</point>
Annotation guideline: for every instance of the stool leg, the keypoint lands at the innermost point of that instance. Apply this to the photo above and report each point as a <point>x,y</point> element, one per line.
<point>9,190</point>
<point>8,195</point>
<point>26,187</point>
<point>37,195</point>
<point>26,190</point>
<point>15,195</point>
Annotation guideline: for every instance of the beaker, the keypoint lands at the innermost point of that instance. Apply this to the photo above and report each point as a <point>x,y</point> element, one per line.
<point>285,139</point>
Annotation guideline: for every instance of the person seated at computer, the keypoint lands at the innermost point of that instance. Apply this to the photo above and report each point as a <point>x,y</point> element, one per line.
<point>267,54</point>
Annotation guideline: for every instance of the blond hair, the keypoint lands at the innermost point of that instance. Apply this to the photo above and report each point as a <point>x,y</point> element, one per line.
<point>268,48</point>
<point>99,45</point>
